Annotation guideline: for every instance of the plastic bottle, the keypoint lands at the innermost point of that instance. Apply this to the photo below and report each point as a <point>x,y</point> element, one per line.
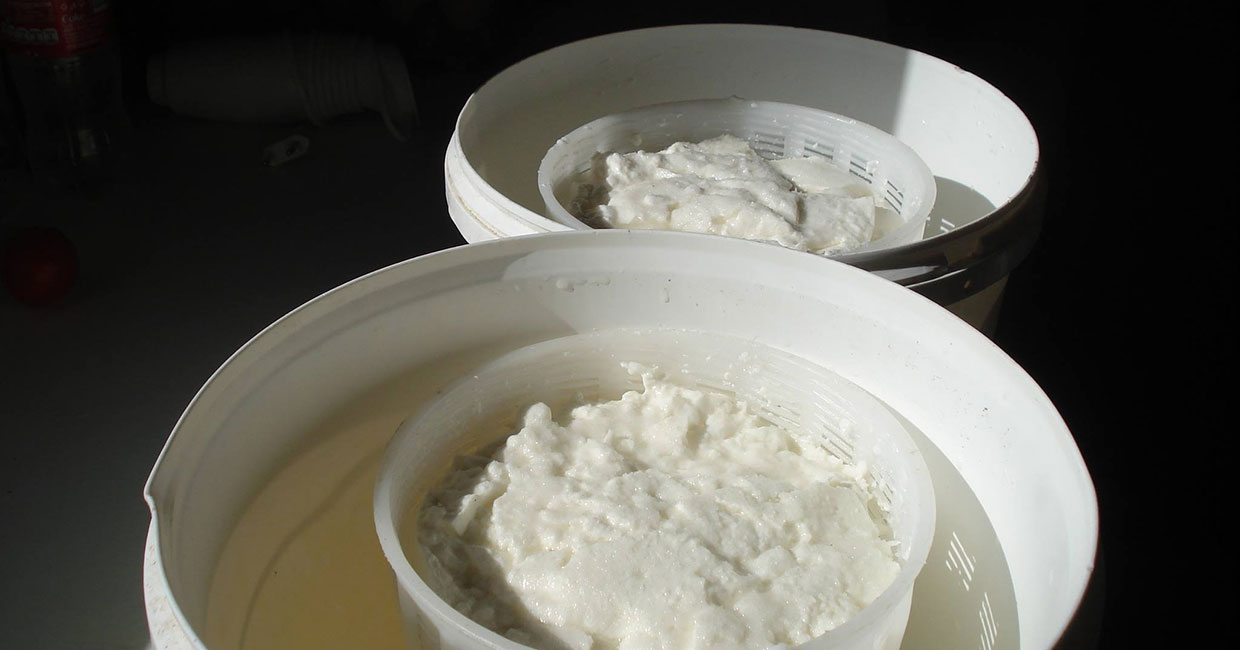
<point>65,67</point>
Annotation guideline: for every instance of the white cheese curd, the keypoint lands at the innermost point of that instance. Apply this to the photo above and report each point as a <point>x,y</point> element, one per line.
<point>669,519</point>
<point>722,186</point>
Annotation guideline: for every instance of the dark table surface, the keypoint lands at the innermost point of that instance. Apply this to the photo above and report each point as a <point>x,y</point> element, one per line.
<point>1125,312</point>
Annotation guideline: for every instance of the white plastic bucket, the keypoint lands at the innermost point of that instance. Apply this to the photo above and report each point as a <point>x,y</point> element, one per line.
<point>782,388</point>
<point>1016,513</point>
<point>980,147</point>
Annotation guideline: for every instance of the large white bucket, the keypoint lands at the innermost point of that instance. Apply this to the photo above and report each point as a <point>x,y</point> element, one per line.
<point>262,532</point>
<point>979,145</point>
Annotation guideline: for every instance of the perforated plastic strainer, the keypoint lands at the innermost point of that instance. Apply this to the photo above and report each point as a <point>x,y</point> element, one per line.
<point>894,172</point>
<point>787,390</point>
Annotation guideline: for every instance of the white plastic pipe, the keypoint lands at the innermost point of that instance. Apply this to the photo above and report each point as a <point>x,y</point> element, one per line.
<point>284,78</point>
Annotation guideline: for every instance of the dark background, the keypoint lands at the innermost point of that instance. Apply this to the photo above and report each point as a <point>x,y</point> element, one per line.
<point>1125,312</point>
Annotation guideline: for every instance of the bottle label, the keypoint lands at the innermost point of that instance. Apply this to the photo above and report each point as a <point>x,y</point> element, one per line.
<point>54,28</point>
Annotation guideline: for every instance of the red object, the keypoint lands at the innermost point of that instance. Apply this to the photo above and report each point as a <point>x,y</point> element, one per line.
<point>38,265</point>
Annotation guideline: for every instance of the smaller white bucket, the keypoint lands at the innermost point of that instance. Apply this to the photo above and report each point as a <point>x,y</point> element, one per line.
<point>979,145</point>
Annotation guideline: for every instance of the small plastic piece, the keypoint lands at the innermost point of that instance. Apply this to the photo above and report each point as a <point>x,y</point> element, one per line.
<point>290,148</point>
